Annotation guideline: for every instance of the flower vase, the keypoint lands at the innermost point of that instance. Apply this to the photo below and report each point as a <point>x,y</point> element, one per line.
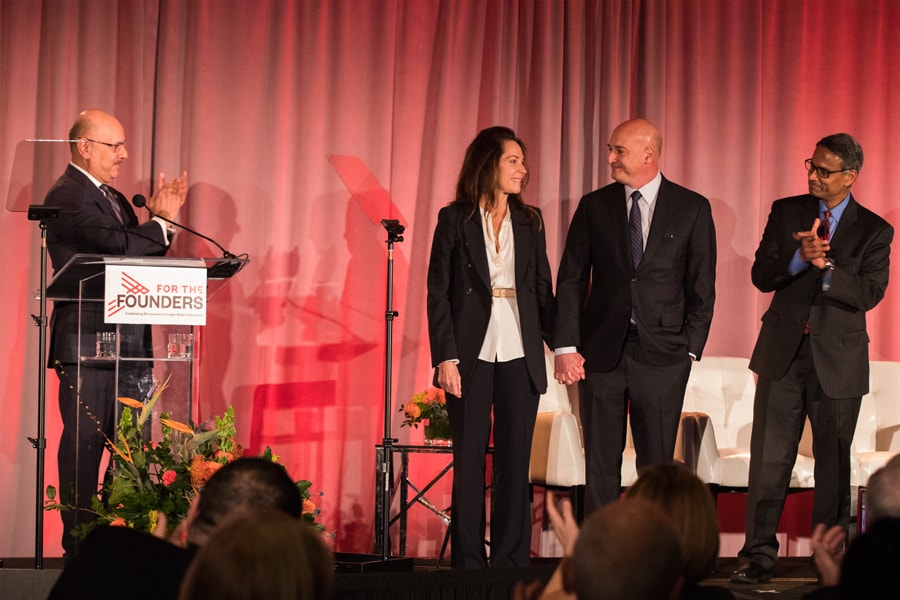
<point>437,433</point>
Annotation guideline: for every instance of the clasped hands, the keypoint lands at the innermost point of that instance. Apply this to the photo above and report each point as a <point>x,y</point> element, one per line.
<point>169,196</point>
<point>812,247</point>
<point>568,368</point>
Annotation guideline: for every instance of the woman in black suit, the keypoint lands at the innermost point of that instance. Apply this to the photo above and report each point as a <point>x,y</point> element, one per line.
<point>489,300</point>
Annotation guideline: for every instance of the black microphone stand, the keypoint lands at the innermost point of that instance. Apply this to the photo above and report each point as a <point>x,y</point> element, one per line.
<point>141,202</point>
<point>39,442</point>
<point>395,231</point>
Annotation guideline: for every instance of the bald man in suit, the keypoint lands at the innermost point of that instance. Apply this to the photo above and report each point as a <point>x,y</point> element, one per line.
<point>635,294</point>
<point>96,218</point>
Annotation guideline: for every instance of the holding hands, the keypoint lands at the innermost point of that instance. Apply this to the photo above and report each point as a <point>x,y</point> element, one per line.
<point>568,368</point>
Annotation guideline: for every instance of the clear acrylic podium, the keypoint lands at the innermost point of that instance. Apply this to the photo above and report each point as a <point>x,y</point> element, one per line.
<point>139,356</point>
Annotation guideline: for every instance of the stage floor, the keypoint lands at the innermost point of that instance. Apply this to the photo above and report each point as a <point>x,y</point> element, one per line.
<point>794,577</point>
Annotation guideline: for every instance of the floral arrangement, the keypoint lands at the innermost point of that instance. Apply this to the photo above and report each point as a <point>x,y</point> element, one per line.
<point>430,404</point>
<point>152,477</point>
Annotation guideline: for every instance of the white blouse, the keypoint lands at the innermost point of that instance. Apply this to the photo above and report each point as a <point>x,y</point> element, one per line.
<point>503,339</point>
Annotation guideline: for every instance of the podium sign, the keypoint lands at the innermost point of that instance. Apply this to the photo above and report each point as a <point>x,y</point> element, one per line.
<point>155,295</point>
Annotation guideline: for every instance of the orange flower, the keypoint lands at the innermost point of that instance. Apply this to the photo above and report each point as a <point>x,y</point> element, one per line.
<point>177,426</point>
<point>309,507</point>
<point>434,395</point>
<point>413,411</point>
<point>202,470</point>
<point>118,522</point>
<point>131,403</point>
<point>228,456</point>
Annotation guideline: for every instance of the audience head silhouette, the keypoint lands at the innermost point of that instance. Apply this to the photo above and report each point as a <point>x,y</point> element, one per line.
<point>261,554</point>
<point>883,492</point>
<point>688,502</point>
<point>869,569</point>
<point>246,483</point>
<point>627,550</point>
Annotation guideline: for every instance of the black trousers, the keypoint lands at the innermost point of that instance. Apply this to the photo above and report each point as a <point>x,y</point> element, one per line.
<point>780,409</point>
<point>653,395</point>
<point>89,419</point>
<point>506,388</point>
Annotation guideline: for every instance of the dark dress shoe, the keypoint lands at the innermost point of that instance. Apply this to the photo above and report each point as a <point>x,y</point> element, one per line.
<point>751,573</point>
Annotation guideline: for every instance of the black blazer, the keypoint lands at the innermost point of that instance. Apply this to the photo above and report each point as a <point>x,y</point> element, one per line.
<point>459,289</point>
<point>88,225</point>
<point>672,290</point>
<point>860,248</point>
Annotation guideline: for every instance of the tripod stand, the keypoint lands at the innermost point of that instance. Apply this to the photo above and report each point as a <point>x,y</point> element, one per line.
<point>382,537</point>
<point>39,442</point>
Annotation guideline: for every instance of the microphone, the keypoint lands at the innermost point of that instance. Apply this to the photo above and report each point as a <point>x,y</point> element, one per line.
<point>140,201</point>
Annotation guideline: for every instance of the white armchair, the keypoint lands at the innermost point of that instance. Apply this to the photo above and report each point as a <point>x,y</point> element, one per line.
<point>877,436</point>
<point>720,393</point>
<point>557,451</point>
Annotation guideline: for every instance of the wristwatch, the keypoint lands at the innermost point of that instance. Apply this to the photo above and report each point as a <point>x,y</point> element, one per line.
<point>829,265</point>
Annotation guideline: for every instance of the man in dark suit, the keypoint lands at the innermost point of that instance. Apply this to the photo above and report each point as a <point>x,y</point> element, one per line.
<point>635,294</point>
<point>826,258</point>
<point>97,219</point>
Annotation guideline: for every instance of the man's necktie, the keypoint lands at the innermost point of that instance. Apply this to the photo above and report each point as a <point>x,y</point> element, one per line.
<point>635,232</point>
<point>114,202</point>
<point>826,226</point>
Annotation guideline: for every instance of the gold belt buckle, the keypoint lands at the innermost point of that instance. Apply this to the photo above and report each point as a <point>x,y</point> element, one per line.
<point>503,292</point>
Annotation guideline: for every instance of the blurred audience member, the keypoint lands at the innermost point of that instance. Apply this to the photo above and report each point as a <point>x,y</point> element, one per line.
<point>112,559</point>
<point>882,502</point>
<point>688,502</point>
<point>627,550</point>
<point>261,554</point>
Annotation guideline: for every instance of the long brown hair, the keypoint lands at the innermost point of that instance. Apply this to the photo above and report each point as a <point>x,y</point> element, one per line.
<point>480,168</point>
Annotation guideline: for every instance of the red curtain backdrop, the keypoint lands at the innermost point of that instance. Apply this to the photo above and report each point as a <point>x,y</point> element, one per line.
<point>303,123</point>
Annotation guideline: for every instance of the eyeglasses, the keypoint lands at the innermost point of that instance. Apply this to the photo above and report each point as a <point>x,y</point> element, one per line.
<point>115,147</point>
<point>821,172</point>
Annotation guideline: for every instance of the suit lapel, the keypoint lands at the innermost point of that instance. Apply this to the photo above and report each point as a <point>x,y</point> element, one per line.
<point>664,212</point>
<point>617,222</point>
<point>474,237</point>
<point>522,238</point>
<point>845,227</point>
<point>93,194</point>
<point>847,234</point>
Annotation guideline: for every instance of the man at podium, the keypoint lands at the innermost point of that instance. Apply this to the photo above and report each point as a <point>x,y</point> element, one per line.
<point>95,218</point>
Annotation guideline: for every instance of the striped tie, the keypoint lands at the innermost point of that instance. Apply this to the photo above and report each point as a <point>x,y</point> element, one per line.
<point>114,202</point>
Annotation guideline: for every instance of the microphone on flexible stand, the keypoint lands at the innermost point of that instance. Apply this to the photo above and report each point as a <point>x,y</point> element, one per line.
<point>225,267</point>
<point>141,202</point>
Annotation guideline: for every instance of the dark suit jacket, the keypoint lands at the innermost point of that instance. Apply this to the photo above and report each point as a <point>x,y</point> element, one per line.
<point>88,225</point>
<point>118,562</point>
<point>672,290</point>
<point>459,290</point>
<point>860,249</point>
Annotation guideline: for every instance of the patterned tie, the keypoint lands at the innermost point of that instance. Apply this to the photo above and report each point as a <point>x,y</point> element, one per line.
<point>635,232</point>
<point>114,202</point>
<point>826,226</point>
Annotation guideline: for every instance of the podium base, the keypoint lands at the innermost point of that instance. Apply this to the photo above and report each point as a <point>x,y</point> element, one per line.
<point>346,562</point>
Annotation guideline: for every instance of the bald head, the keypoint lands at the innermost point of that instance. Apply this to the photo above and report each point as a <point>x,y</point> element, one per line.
<point>98,144</point>
<point>634,150</point>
